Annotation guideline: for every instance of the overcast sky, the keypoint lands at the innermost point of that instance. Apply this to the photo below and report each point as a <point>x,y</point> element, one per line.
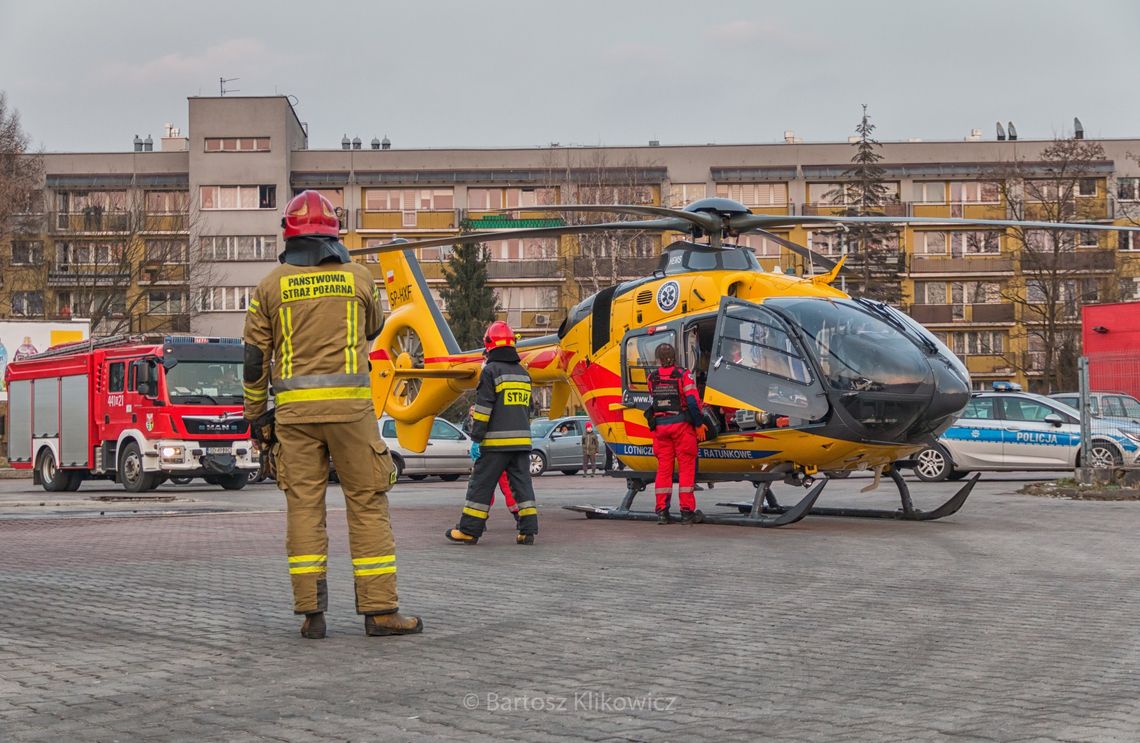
<point>90,75</point>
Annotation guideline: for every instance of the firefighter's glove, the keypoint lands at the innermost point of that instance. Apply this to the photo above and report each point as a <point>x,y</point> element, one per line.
<point>702,432</point>
<point>476,450</point>
<point>264,428</point>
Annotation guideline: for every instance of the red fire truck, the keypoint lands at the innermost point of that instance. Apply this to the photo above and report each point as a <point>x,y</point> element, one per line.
<point>133,409</point>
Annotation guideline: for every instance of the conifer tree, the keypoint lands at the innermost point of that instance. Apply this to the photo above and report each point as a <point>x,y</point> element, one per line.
<point>471,304</point>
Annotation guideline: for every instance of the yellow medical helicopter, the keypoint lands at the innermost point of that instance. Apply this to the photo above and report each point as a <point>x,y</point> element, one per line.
<point>803,378</point>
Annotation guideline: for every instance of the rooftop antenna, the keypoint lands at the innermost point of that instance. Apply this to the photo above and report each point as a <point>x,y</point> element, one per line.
<point>222,89</point>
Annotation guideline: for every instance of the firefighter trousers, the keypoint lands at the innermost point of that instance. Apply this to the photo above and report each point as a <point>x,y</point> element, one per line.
<point>675,442</point>
<point>481,489</point>
<point>365,470</point>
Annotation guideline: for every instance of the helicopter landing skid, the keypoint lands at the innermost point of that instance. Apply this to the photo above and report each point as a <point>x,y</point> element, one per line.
<point>907,512</point>
<point>755,514</point>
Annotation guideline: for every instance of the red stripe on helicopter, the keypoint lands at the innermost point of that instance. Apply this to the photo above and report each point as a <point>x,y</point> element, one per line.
<point>378,355</point>
<point>453,359</point>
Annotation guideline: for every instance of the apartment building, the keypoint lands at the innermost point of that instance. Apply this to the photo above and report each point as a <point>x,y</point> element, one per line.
<point>197,220</point>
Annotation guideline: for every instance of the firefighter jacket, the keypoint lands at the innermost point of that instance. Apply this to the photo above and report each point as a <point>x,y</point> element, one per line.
<point>314,323</point>
<point>501,419</point>
<point>674,397</point>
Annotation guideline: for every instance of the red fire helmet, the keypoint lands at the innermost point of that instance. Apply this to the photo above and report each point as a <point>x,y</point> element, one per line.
<point>498,334</point>
<point>309,213</point>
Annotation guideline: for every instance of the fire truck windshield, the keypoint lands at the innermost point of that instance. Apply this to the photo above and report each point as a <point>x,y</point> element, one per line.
<point>204,383</point>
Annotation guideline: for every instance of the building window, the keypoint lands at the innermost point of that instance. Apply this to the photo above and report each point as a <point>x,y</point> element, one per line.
<point>1086,187</point>
<point>974,192</point>
<point>930,243</point>
<point>681,194</point>
<point>534,248</point>
<point>975,243</point>
<point>166,302</point>
<point>80,202</point>
<point>753,194</point>
<point>90,253</point>
<point>1129,240</point>
<point>30,253</point>
<point>975,292</point>
<point>930,192</point>
<point>225,299</point>
<point>87,303</point>
<point>167,252</point>
<point>1128,189</point>
<point>930,292</point>
<point>404,199</point>
<point>977,343</point>
<point>239,248</point>
<point>28,304</point>
<point>827,243</point>
<point>167,202</point>
<point>237,197</point>
<point>237,144</point>
<point>527,297</point>
<point>760,245</point>
<point>836,194</point>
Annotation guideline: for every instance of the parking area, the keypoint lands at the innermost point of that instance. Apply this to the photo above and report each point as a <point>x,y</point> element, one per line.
<point>1008,621</point>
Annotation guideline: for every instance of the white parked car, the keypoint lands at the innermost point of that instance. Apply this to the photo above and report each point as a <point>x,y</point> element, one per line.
<point>1009,431</point>
<point>448,451</point>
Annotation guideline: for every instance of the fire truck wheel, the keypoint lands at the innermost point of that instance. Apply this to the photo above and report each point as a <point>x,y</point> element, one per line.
<point>53,478</point>
<point>233,482</point>
<point>131,472</point>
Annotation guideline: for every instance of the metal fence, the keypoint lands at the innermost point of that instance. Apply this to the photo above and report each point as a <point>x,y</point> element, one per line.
<point>1109,403</point>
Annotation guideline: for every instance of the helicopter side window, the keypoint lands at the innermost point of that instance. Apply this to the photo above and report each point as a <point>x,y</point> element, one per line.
<point>701,260</point>
<point>639,359</point>
<point>739,260</point>
<point>756,342</point>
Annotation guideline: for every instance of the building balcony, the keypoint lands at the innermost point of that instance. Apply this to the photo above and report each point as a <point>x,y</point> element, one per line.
<point>934,314</point>
<point>625,268</point>
<point>171,222</point>
<point>29,224</point>
<point>1077,260</point>
<point>957,210</point>
<point>524,269</point>
<point>89,221</point>
<point>890,209</point>
<point>394,221</point>
<point>79,276</point>
<point>923,264</point>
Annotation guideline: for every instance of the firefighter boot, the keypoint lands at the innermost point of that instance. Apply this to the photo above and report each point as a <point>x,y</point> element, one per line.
<point>524,538</point>
<point>460,537</point>
<point>382,625</point>
<point>314,626</point>
<point>663,517</point>
<point>692,517</point>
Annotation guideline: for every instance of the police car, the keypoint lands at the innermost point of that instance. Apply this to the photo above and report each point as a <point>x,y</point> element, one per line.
<point>1008,430</point>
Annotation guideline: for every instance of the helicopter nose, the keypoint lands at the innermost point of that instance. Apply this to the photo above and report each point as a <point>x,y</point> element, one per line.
<point>951,393</point>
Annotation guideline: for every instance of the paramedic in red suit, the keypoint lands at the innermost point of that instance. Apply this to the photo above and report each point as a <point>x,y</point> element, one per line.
<point>674,417</point>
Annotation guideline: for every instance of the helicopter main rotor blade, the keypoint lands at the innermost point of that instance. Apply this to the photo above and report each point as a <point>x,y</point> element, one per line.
<point>700,219</point>
<point>800,250</point>
<point>764,220</point>
<point>656,225</point>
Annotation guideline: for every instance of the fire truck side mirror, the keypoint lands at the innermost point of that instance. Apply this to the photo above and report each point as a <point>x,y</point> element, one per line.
<point>144,377</point>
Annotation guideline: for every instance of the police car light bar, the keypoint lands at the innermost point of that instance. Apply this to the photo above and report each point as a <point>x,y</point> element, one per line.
<point>1007,387</point>
<point>172,340</point>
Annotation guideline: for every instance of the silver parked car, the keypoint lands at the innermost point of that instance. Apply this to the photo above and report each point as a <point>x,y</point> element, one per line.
<point>557,445</point>
<point>1104,404</point>
<point>448,451</point>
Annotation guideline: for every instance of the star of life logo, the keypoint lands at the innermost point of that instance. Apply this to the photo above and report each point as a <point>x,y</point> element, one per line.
<point>668,295</point>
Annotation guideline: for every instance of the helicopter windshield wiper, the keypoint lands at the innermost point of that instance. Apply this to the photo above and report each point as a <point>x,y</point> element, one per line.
<point>882,312</point>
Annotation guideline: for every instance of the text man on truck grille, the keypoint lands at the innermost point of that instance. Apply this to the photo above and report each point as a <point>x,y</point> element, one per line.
<point>314,316</point>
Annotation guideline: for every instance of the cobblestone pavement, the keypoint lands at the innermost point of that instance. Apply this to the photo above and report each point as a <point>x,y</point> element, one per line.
<point>1013,620</point>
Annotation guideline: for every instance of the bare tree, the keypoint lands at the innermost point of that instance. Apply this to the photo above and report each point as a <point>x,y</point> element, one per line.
<point>589,177</point>
<point>1055,276</point>
<point>21,173</point>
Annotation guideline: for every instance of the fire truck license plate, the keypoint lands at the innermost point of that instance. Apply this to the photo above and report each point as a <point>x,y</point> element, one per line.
<point>218,450</point>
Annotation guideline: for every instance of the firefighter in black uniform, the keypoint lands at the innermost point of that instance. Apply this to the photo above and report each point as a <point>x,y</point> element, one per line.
<point>501,432</point>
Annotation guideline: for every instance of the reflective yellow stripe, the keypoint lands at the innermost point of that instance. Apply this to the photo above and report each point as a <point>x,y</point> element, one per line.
<point>504,442</point>
<point>253,305</point>
<point>349,336</point>
<point>326,393</point>
<point>473,512</point>
<point>307,558</point>
<point>480,416</point>
<point>285,314</point>
<point>374,560</point>
<point>375,571</point>
<point>512,386</point>
<point>528,511</point>
<point>255,394</point>
<point>314,569</point>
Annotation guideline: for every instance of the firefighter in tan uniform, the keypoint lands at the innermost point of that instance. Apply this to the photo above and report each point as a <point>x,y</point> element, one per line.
<point>313,316</point>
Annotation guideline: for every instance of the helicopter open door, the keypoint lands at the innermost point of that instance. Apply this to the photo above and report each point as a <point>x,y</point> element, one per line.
<point>758,364</point>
